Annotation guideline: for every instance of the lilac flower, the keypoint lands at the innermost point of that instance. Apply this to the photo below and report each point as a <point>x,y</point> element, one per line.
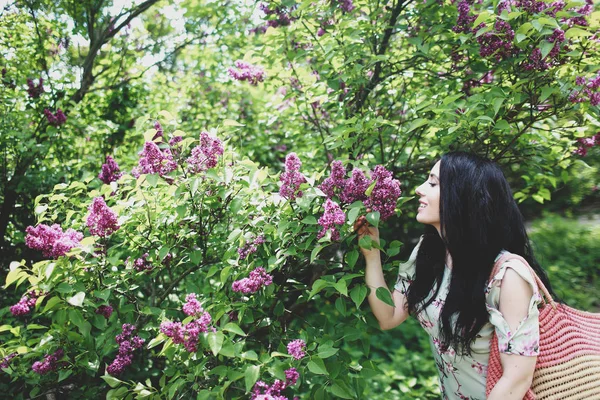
<point>205,156</point>
<point>332,216</point>
<point>105,311</point>
<point>110,171</point>
<point>142,263</point>
<point>127,345</point>
<point>188,334</point>
<point>280,17</point>
<point>296,348</point>
<point>254,282</point>
<point>336,181</point>
<point>464,21</point>
<point>263,391</point>
<point>355,187</point>
<point>6,360</point>
<point>498,42</point>
<point>51,240</point>
<point>49,363</point>
<point>291,376</point>
<point>159,131</point>
<point>247,72</point>
<point>25,305</point>
<point>246,250</point>
<point>34,91</point>
<point>56,119</point>
<point>154,161</point>
<point>192,305</point>
<point>102,221</point>
<point>292,178</point>
<point>385,194</point>
<point>346,5</point>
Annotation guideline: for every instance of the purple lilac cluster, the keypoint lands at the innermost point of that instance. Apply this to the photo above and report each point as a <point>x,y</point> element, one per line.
<point>101,220</point>
<point>254,282</point>
<point>105,311</point>
<point>188,334</point>
<point>205,155</point>
<point>385,194</point>
<point>154,161</point>
<point>278,16</point>
<point>50,362</point>
<point>585,143</point>
<point>383,198</point>
<point>142,264</point>
<point>250,247</point>
<point>51,240</point>
<point>498,42</point>
<point>263,391</point>
<point>244,71</point>
<point>487,78</point>
<point>296,348</point>
<point>56,119</point>
<point>110,171</point>
<point>6,360</point>
<point>291,178</point>
<point>127,344</point>
<point>536,62</point>
<point>332,216</point>
<point>464,21</point>
<point>346,5</point>
<point>26,304</point>
<point>34,91</point>
<point>588,92</point>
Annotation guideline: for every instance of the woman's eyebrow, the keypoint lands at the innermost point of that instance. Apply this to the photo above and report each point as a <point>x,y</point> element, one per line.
<point>434,176</point>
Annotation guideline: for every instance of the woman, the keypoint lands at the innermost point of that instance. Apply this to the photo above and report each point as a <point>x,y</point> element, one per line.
<point>471,218</point>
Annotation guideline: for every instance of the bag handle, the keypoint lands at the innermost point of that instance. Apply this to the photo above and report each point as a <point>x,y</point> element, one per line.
<point>547,298</point>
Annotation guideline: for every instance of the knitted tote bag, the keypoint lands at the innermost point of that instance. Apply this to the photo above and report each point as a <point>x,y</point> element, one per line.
<point>568,366</point>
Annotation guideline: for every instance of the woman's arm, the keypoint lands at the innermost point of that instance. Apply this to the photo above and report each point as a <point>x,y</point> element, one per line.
<point>389,317</point>
<point>517,370</point>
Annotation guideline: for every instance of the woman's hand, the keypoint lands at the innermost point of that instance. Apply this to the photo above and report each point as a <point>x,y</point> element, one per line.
<point>363,228</point>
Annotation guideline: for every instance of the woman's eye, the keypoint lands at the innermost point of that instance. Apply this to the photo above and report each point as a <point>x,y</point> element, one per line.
<point>431,184</point>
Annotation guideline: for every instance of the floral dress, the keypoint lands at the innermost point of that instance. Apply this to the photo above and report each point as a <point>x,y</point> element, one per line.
<point>465,377</point>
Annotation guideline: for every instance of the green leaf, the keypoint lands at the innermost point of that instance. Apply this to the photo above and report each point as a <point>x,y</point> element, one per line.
<point>64,374</point>
<point>50,304</point>
<point>358,295</point>
<point>545,48</point>
<point>317,366</point>
<point>315,252</point>
<point>546,92</point>
<point>230,122</point>
<point>112,381</point>
<point>64,287</point>
<point>384,295</point>
<point>342,287</point>
<point>326,351</point>
<point>231,327</point>
<point>373,218</point>
<point>483,17</point>
<point>215,341</point>
<point>251,376</point>
<point>77,300</point>
<point>340,392</point>
<point>157,340</point>
<point>318,285</point>
<point>152,179</point>
<point>370,188</point>
<point>366,242</point>
<point>13,275</point>
<point>353,214</point>
<point>576,32</point>
<point>502,125</point>
<point>309,220</point>
<point>352,257</point>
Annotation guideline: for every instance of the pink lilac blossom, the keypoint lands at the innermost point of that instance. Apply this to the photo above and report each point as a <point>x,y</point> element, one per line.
<point>6,360</point>
<point>154,161</point>
<point>49,363</point>
<point>291,178</point>
<point>385,194</point>
<point>346,5</point>
<point>127,345</point>
<point>142,263</point>
<point>332,216</point>
<point>464,21</point>
<point>279,17</point>
<point>589,90</point>
<point>206,155</point>
<point>336,182</point>
<point>57,119</point>
<point>296,348</point>
<point>101,220</point>
<point>254,282</point>
<point>110,171</point>
<point>34,91</point>
<point>159,131</point>
<point>355,187</point>
<point>188,334</point>
<point>262,391</point>
<point>25,304</point>
<point>498,42</point>
<point>105,311</point>
<point>247,72</point>
<point>585,143</point>
<point>51,240</point>
<point>250,247</point>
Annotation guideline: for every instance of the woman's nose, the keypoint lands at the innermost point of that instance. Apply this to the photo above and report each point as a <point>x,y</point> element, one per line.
<point>419,192</point>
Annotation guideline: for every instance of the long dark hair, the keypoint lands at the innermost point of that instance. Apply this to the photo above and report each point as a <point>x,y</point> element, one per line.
<point>478,218</point>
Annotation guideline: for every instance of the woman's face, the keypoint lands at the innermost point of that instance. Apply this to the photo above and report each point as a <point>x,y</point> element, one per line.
<point>429,199</point>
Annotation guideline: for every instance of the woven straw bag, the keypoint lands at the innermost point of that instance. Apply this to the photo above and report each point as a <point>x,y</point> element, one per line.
<point>568,366</point>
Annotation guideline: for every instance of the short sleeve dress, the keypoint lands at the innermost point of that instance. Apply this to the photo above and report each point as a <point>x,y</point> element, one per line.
<point>464,377</point>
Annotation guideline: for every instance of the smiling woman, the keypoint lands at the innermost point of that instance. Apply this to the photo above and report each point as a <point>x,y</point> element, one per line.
<point>470,219</point>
